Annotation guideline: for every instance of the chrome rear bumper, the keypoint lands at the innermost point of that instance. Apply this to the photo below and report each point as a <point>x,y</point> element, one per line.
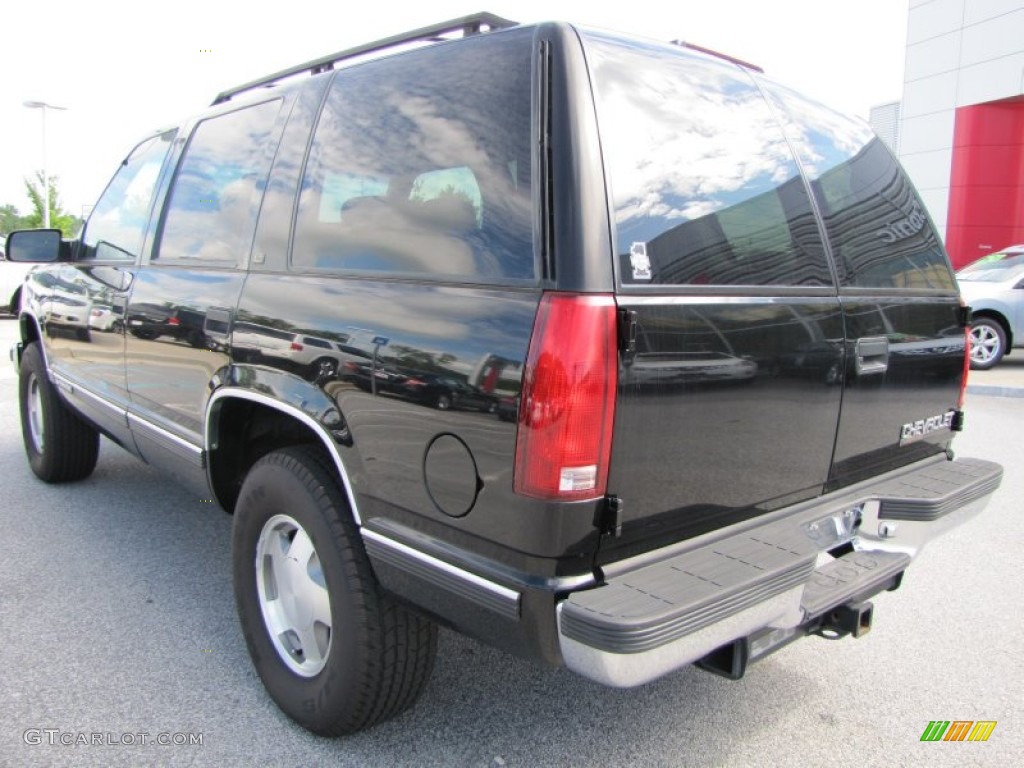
<point>663,610</point>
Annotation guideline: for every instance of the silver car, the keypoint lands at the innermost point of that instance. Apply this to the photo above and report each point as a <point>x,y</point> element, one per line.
<point>993,286</point>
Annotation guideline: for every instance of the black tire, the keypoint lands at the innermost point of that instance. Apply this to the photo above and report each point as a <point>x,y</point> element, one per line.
<point>988,343</point>
<point>61,447</point>
<point>443,402</point>
<point>379,655</point>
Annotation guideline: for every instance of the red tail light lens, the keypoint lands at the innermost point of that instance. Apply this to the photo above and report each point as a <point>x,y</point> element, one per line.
<point>967,370</point>
<point>567,408</point>
<point>173,320</point>
<point>295,346</point>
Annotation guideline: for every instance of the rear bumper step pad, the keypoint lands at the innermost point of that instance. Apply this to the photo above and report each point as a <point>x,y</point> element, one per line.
<point>935,491</point>
<point>660,615</point>
<point>668,600</point>
<point>855,576</point>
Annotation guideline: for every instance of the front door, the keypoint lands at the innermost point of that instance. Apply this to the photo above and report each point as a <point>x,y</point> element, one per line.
<point>83,310</point>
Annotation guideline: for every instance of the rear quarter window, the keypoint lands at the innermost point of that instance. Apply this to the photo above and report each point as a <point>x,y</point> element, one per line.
<point>421,164</point>
<point>877,226</point>
<point>705,189</point>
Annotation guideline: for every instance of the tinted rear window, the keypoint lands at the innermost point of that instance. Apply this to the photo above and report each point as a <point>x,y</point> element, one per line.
<point>421,164</point>
<point>704,187</point>
<point>878,227</point>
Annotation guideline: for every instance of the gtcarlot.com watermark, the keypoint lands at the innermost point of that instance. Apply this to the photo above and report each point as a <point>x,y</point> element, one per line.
<point>55,737</point>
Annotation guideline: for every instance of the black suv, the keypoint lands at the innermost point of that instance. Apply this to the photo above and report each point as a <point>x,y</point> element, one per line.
<point>731,342</point>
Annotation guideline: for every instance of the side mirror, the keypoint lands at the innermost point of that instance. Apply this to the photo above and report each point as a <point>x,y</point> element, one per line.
<point>34,245</point>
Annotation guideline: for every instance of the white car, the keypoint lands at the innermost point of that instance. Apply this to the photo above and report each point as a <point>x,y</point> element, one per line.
<point>993,287</point>
<point>12,275</point>
<point>317,356</point>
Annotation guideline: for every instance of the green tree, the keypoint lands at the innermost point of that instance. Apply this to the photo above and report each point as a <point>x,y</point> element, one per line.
<point>10,219</point>
<point>65,222</point>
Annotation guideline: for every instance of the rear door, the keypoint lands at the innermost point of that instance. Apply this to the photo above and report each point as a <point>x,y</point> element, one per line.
<point>730,390</point>
<point>904,331</point>
<point>183,300</point>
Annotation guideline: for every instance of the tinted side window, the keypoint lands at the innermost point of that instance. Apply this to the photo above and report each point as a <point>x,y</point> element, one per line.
<point>215,198</point>
<point>705,189</point>
<point>421,164</point>
<point>877,226</point>
<point>117,225</point>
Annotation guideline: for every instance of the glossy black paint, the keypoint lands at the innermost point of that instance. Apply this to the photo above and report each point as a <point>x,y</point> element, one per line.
<point>578,213</point>
<point>737,399</point>
<point>922,379</point>
<point>727,410</point>
<point>177,342</point>
<point>77,307</point>
<point>475,336</point>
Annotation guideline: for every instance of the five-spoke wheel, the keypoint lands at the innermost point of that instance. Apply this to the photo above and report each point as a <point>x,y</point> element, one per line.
<point>988,343</point>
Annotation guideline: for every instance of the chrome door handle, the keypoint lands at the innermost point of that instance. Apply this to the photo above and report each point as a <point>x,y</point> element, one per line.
<point>871,355</point>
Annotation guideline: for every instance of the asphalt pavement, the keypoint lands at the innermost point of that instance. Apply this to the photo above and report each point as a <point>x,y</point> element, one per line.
<point>1005,380</point>
<point>118,629</point>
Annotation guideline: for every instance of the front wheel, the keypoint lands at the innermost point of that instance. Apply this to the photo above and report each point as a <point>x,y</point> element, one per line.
<point>335,653</point>
<point>988,343</point>
<point>60,446</point>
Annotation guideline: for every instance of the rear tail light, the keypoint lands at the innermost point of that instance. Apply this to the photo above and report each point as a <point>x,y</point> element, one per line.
<point>567,408</point>
<point>967,369</point>
<point>173,320</point>
<point>295,346</point>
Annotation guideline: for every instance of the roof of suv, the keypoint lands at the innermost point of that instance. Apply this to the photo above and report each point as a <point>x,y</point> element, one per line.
<point>464,25</point>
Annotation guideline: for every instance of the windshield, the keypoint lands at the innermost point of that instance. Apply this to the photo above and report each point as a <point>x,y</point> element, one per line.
<point>993,268</point>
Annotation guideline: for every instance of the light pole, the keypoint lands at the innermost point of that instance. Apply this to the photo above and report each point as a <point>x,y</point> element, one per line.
<point>46,179</point>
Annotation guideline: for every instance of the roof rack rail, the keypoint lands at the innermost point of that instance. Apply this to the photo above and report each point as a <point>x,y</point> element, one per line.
<point>717,54</point>
<point>467,25</point>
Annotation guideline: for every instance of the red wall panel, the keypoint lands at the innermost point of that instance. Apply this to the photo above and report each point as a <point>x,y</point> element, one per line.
<point>986,194</point>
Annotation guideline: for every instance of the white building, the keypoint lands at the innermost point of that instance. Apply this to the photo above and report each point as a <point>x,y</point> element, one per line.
<point>885,119</point>
<point>961,133</point>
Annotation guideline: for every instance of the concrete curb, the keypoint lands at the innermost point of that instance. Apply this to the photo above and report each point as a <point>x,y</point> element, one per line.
<point>994,391</point>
